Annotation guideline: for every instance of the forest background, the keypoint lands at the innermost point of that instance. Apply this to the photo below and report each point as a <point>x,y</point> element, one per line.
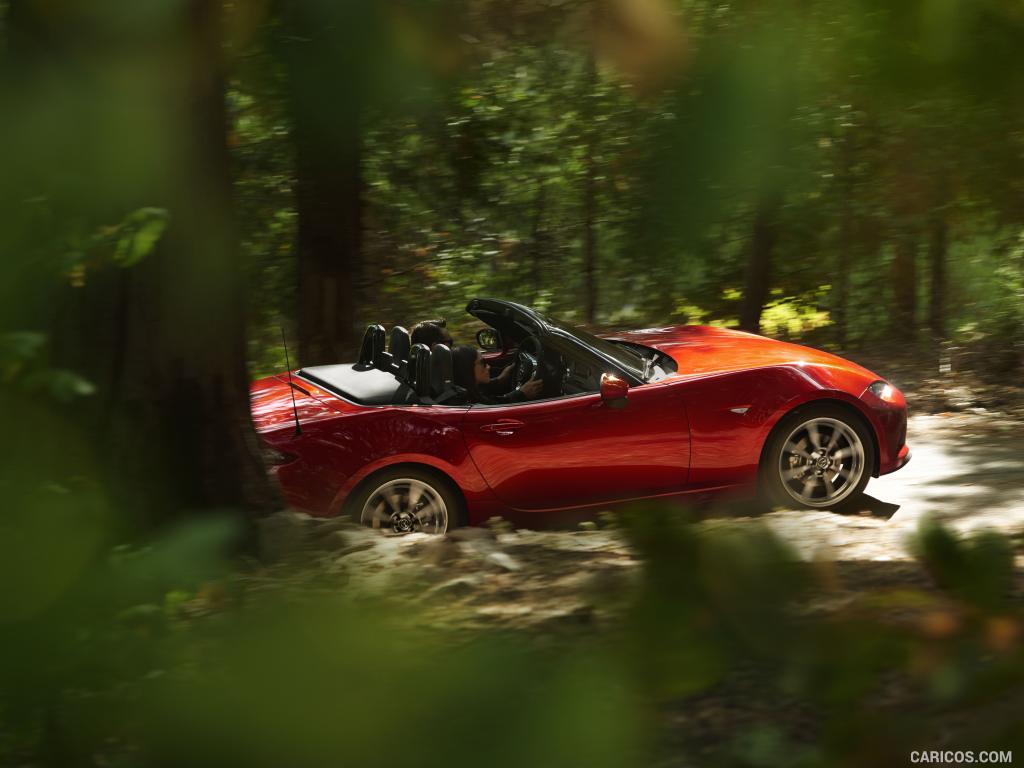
<point>182,178</point>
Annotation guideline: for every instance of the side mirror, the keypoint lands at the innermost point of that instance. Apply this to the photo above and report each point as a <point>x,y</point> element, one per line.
<point>614,390</point>
<point>488,339</point>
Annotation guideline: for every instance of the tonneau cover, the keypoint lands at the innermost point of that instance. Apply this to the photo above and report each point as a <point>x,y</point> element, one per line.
<point>360,384</point>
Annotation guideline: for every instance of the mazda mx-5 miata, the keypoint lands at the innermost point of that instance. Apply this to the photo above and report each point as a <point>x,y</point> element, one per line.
<point>667,412</point>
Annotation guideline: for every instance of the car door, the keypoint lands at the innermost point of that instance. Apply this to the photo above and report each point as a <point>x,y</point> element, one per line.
<point>579,450</point>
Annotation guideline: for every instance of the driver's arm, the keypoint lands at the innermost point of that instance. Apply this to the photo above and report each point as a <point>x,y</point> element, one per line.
<point>531,389</point>
<point>528,391</point>
<point>500,384</point>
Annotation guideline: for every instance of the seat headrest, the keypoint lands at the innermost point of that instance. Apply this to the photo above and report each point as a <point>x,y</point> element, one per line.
<point>372,348</point>
<point>400,345</point>
<point>440,370</point>
<point>419,369</point>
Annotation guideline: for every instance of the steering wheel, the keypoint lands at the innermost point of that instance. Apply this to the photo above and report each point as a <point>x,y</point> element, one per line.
<point>527,360</point>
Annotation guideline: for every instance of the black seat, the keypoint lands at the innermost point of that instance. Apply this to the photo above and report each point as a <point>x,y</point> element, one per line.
<point>419,370</point>
<point>441,369</point>
<point>372,348</point>
<point>442,385</point>
<point>399,347</point>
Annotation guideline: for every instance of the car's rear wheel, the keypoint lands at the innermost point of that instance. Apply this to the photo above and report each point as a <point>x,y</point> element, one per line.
<point>818,457</point>
<point>408,500</point>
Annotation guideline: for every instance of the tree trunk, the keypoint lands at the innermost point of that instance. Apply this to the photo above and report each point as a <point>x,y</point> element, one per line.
<point>937,260</point>
<point>590,198</point>
<point>325,114</point>
<point>845,249</point>
<point>842,285</point>
<point>538,242</point>
<point>164,340</point>
<point>762,244</point>
<point>904,283</point>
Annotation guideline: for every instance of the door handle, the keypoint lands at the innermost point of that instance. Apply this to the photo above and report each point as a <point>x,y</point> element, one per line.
<point>504,428</point>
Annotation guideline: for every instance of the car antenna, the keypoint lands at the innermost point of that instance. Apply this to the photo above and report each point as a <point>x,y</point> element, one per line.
<point>291,387</point>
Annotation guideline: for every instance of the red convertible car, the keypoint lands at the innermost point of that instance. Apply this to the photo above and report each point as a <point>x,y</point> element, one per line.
<point>666,412</point>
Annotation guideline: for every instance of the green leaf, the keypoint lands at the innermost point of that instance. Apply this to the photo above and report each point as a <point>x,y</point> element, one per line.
<point>20,345</point>
<point>63,385</point>
<point>142,230</point>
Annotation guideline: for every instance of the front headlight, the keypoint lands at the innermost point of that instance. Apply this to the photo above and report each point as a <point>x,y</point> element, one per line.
<point>883,391</point>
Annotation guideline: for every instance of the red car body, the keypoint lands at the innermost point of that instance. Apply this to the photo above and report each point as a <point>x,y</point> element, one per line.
<point>699,429</point>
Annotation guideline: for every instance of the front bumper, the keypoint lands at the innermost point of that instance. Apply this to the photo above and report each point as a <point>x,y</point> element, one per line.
<point>901,459</point>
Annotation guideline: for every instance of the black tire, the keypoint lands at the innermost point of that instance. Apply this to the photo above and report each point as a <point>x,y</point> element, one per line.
<point>403,482</point>
<point>818,469</point>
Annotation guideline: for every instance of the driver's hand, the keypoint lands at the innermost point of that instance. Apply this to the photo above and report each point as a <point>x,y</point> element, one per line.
<point>505,374</point>
<point>532,388</point>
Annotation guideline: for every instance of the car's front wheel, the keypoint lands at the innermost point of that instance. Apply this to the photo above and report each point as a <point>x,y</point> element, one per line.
<point>819,457</point>
<point>408,500</point>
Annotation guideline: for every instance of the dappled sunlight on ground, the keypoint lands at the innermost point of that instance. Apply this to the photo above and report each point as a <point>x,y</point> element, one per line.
<point>967,470</point>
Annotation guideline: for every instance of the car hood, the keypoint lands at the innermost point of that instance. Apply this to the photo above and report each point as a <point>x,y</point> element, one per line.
<point>703,349</point>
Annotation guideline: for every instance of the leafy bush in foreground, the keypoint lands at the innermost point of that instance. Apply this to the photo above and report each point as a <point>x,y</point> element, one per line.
<point>117,667</point>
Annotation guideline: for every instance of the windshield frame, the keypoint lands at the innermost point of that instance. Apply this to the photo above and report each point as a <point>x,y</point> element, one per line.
<point>623,357</point>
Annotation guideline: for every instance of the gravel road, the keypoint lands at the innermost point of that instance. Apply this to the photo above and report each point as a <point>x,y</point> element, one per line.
<point>967,470</point>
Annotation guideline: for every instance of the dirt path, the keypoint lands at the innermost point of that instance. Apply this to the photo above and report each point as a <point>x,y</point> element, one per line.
<point>967,470</point>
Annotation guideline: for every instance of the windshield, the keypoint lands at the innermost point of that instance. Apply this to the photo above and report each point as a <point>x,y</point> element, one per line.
<point>627,358</point>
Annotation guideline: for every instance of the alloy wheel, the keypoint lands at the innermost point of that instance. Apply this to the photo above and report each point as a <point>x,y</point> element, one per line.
<point>821,463</point>
<point>405,505</point>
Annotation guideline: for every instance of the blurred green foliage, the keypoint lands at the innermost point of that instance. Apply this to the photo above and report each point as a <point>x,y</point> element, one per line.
<point>867,123</point>
<point>481,121</point>
<point>166,655</point>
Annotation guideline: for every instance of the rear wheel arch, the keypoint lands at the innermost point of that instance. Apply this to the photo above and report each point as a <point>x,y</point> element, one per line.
<point>378,475</point>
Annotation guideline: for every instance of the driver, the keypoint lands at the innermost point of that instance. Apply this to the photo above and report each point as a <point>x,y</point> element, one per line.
<point>434,332</point>
<point>471,373</point>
